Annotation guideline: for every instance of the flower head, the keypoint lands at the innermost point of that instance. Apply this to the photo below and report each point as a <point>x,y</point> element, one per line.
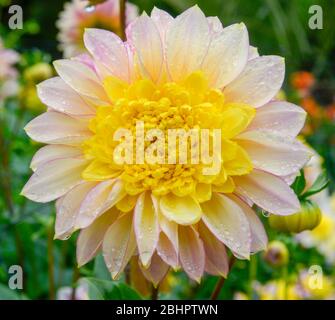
<point>8,74</point>
<point>185,73</point>
<point>78,15</point>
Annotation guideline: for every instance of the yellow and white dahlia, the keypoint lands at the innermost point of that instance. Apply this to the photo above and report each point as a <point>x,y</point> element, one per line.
<point>185,73</point>
<point>8,74</point>
<point>79,14</point>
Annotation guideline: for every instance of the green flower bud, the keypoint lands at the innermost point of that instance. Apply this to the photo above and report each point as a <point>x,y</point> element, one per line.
<point>306,219</point>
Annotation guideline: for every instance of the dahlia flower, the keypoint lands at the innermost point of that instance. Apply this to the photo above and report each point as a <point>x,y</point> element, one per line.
<point>8,74</point>
<point>78,15</point>
<point>186,72</point>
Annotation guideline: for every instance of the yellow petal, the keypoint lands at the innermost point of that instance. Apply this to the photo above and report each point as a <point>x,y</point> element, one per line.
<point>114,87</point>
<point>240,165</point>
<point>183,210</point>
<point>99,171</point>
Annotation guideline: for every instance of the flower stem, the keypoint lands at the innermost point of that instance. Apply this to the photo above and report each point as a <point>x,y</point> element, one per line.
<point>51,272</point>
<point>252,274</point>
<point>154,293</point>
<point>123,19</point>
<point>221,281</point>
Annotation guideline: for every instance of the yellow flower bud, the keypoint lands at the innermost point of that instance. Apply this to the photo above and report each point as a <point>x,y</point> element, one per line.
<point>38,72</point>
<point>276,254</point>
<point>306,219</point>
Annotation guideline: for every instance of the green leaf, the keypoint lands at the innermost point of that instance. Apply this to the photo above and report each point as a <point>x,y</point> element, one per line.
<point>109,290</point>
<point>100,270</point>
<point>319,184</point>
<point>299,183</point>
<point>8,294</point>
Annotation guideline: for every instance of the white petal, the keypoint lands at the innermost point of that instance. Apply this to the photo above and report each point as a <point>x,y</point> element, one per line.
<point>145,38</point>
<point>90,239</point>
<point>81,78</point>
<point>226,220</point>
<point>187,41</point>
<point>273,153</point>
<point>227,55</point>
<point>104,196</point>
<point>56,94</point>
<point>119,244</point>
<point>53,152</point>
<point>258,83</point>
<point>268,192</point>
<point>54,179</point>
<point>109,51</point>
<point>57,128</point>
<point>259,238</point>
<point>280,117</point>
<point>146,228</point>
<point>67,209</point>
<point>192,253</point>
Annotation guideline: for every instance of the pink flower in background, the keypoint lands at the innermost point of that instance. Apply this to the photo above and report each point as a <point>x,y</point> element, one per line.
<point>183,72</point>
<point>78,15</point>
<point>8,73</point>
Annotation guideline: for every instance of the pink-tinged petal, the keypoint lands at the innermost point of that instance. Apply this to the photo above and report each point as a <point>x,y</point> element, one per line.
<point>227,55</point>
<point>108,51</point>
<point>187,41</point>
<point>145,38</point>
<point>82,79</point>
<point>166,251</point>
<point>57,128</point>
<point>268,191</point>
<point>56,94</point>
<point>157,270</point>
<point>67,209</point>
<point>54,179</point>
<point>182,210</point>
<point>215,25</point>
<point>162,20</point>
<point>280,117</point>
<point>119,244</point>
<point>90,239</point>
<point>253,53</point>
<point>259,239</point>
<point>101,198</point>
<point>53,152</point>
<point>258,83</point>
<point>273,153</point>
<point>216,255</point>
<point>170,228</point>
<point>85,58</point>
<point>191,252</point>
<point>290,178</point>
<point>146,228</point>
<point>226,220</point>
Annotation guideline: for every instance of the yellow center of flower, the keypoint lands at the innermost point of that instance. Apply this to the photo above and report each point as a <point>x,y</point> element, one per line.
<point>203,125</point>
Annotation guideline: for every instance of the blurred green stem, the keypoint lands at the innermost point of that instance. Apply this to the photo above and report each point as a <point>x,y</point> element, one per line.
<point>51,271</point>
<point>75,278</point>
<point>221,281</point>
<point>252,275</point>
<point>123,19</point>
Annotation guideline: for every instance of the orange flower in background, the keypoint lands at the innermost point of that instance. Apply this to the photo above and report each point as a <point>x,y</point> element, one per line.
<point>311,106</point>
<point>302,81</point>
